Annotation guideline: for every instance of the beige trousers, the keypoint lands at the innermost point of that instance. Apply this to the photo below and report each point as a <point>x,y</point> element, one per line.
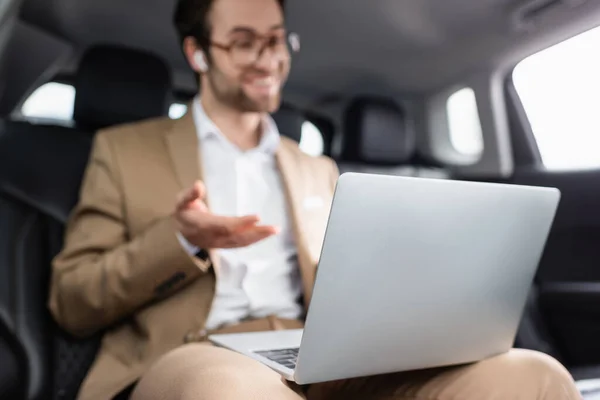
<point>200,371</point>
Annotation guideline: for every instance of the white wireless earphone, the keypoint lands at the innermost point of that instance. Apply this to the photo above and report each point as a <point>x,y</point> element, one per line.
<point>200,61</point>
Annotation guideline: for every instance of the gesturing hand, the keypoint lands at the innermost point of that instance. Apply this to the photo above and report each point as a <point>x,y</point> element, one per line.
<point>209,231</point>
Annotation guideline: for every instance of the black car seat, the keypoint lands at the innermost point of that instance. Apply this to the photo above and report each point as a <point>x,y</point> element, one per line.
<point>12,361</point>
<point>533,334</point>
<point>379,139</point>
<point>116,85</point>
<point>289,121</point>
<point>41,168</point>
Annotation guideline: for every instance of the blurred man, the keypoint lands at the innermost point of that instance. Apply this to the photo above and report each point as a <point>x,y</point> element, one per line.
<point>199,225</point>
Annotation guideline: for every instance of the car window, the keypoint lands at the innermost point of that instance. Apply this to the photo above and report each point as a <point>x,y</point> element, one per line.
<point>311,141</point>
<point>177,110</point>
<point>463,123</point>
<point>52,101</point>
<point>559,88</point>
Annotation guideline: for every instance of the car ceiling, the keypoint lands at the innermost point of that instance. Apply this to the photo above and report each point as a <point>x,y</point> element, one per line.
<point>347,45</point>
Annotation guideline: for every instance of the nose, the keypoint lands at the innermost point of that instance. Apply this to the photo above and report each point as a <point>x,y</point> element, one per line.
<point>269,59</point>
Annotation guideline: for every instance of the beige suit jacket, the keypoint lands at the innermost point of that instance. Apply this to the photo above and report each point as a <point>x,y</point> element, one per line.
<point>122,270</point>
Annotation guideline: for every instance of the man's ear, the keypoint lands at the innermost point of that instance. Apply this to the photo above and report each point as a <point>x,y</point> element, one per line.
<point>195,56</point>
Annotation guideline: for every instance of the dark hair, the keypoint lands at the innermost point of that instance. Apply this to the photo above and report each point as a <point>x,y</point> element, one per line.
<point>191,19</point>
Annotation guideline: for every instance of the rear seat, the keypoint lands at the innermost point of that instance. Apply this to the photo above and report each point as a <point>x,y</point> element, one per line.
<point>379,139</point>
<point>116,85</point>
<point>289,121</point>
<point>533,335</point>
<point>532,332</point>
<point>12,369</point>
<point>41,168</point>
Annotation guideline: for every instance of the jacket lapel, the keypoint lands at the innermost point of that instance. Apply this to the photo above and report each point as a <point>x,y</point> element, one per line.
<point>184,149</point>
<point>293,182</point>
<point>182,142</point>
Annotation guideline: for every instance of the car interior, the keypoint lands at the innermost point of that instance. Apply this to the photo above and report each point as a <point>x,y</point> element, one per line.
<point>490,90</point>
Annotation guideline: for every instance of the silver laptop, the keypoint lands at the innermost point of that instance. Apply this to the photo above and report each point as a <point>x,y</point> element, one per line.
<point>414,273</point>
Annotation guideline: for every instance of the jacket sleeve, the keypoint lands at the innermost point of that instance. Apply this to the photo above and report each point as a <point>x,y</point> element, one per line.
<point>102,275</point>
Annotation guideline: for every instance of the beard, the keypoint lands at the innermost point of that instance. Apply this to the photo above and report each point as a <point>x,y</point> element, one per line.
<point>235,97</point>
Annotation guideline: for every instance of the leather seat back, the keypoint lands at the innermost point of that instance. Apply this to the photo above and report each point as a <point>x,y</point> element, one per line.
<point>378,139</point>
<point>13,366</point>
<point>289,121</point>
<point>41,168</point>
<point>12,369</point>
<point>40,171</point>
<point>532,333</point>
<point>116,85</point>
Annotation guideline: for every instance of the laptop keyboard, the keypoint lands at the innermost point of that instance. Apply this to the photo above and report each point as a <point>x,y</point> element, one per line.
<point>285,357</point>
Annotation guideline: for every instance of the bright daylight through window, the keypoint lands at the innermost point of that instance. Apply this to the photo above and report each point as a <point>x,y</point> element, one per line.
<point>52,100</point>
<point>464,124</point>
<point>559,88</point>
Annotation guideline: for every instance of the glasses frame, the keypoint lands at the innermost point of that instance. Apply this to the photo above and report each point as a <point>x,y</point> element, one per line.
<point>292,40</point>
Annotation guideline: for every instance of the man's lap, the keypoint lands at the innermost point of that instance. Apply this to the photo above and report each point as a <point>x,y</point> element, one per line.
<point>200,370</point>
<point>213,372</point>
<point>207,372</point>
<point>201,355</point>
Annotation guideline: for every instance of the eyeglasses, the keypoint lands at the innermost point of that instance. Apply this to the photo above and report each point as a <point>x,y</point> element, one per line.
<point>247,50</point>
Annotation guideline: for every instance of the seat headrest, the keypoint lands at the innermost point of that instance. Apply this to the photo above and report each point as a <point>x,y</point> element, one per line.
<point>289,121</point>
<point>116,85</point>
<point>376,132</point>
<point>42,165</point>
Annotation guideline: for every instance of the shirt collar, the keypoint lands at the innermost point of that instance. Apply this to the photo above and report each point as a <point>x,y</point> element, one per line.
<point>206,129</point>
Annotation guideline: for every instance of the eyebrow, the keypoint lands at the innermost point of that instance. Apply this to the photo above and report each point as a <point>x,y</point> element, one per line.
<point>246,29</point>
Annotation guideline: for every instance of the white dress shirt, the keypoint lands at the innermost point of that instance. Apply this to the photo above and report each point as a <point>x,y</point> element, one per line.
<point>262,279</point>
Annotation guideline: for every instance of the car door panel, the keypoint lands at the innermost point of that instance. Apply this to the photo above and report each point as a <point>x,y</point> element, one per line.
<point>568,277</point>
<point>573,317</point>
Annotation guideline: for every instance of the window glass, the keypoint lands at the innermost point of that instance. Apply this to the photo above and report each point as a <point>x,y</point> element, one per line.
<point>464,124</point>
<point>52,100</point>
<point>177,110</point>
<point>311,141</point>
<point>559,88</point>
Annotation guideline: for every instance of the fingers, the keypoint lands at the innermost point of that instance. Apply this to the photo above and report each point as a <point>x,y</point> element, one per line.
<point>215,231</point>
<point>249,236</point>
<point>227,226</point>
<point>200,189</point>
<point>188,196</point>
<point>237,223</point>
<point>185,197</point>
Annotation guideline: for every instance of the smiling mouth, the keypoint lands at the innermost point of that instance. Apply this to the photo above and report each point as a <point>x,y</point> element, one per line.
<point>266,84</point>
